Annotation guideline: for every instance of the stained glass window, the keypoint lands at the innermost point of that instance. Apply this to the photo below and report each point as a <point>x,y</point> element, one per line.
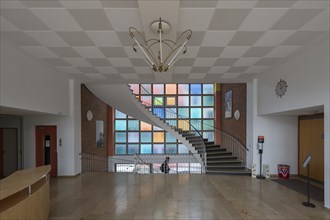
<point>120,125</point>
<point>170,149</point>
<point>135,88</point>
<point>133,125</point>
<point>158,137</point>
<point>183,112</point>
<point>120,149</point>
<point>170,100</point>
<point>158,100</point>
<point>146,89</point>
<point>170,89</point>
<point>120,137</point>
<point>183,89</point>
<point>170,138</point>
<point>133,149</point>
<point>195,113</point>
<point>208,89</point>
<point>158,148</point>
<point>183,149</point>
<point>195,89</point>
<point>183,100</point>
<point>119,114</point>
<point>145,126</point>
<point>208,113</point>
<point>158,88</point>
<point>133,137</point>
<point>146,149</point>
<point>208,101</point>
<point>195,100</point>
<point>146,137</point>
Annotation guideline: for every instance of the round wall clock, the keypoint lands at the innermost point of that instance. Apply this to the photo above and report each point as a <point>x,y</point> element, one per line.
<point>89,115</point>
<point>281,88</point>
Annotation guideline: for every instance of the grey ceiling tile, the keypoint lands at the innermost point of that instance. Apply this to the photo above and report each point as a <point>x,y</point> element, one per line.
<point>91,19</point>
<point>42,4</point>
<point>120,4</point>
<point>113,52</point>
<point>200,69</point>
<point>245,38</point>
<point>98,61</point>
<point>210,51</point>
<point>275,3</point>
<point>228,19</point>
<point>24,19</point>
<point>198,4</point>
<point>147,76</point>
<point>56,62</point>
<point>20,38</point>
<point>138,62</point>
<point>267,61</point>
<point>113,76</point>
<point>64,51</point>
<point>125,69</point>
<point>257,51</point>
<point>196,38</point>
<point>185,62</point>
<point>125,38</point>
<point>87,69</point>
<point>295,19</point>
<point>300,38</point>
<point>180,76</point>
<point>75,38</point>
<point>225,61</point>
<point>237,69</point>
<point>213,76</point>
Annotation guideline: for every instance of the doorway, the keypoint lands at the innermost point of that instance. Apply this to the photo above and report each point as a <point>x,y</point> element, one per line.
<point>46,147</point>
<point>8,151</point>
<point>311,142</point>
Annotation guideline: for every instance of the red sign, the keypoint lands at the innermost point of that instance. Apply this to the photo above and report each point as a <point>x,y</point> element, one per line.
<point>261,139</point>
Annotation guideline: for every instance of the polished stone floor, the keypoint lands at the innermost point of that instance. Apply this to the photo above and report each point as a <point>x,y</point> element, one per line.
<point>159,196</point>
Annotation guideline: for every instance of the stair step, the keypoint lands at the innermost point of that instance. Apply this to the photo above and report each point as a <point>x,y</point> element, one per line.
<point>209,143</point>
<point>213,150</point>
<point>221,156</point>
<point>223,162</point>
<point>226,167</point>
<point>212,146</point>
<point>229,172</point>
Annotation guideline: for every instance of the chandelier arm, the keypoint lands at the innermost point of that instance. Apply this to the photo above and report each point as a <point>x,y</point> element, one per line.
<point>149,51</point>
<point>183,45</point>
<point>138,32</point>
<point>188,37</point>
<point>177,58</point>
<point>160,44</point>
<point>173,51</point>
<point>144,52</point>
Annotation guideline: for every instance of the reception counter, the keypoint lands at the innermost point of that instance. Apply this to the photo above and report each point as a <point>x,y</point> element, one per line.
<point>25,194</point>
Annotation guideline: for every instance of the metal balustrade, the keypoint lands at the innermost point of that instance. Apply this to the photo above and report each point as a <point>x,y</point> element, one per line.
<point>93,163</point>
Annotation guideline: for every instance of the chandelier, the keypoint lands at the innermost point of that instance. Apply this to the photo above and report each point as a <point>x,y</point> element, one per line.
<point>160,54</point>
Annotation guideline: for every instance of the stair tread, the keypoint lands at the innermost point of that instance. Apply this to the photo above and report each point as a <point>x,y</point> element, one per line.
<point>228,166</point>
<point>225,161</point>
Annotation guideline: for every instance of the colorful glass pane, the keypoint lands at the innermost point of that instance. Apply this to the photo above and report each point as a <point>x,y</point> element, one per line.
<point>208,89</point>
<point>120,125</point>
<point>183,149</point>
<point>145,126</point>
<point>208,101</point>
<point>195,113</point>
<point>183,88</point>
<point>170,88</point>
<point>171,113</point>
<point>146,149</point>
<point>158,148</point>
<point>158,137</point>
<point>135,88</point>
<point>170,149</point>
<point>158,88</point>
<point>208,113</point>
<point>195,89</point>
<point>146,137</point>
<point>170,101</point>
<point>171,122</point>
<point>119,114</point>
<point>159,112</point>
<point>157,128</point>
<point>183,101</point>
<point>133,125</point>
<point>158,100</point>
<point>183,124</point>
<point>197,124</point>
<point>145,88</point>
<point>195,100</point>
<point>209,135</point>
<point>208,125</point>
<point>120,149</point>
<point>146,100</point>
<point>120,137</point>
<point>170,138</point>
<point>133,137</point>
<point>183,112</point>
<point>133,149</point>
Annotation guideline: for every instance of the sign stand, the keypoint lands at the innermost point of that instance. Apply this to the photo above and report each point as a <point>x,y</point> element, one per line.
<point>306,163</point>
<point>260,148</point>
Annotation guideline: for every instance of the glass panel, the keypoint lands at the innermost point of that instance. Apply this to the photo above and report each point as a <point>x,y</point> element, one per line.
<point>183,124</point>
<point>158,137</point>
<point>133,125</point>
<point>135,88</point>
<point>195,113</point>
<point>195,100</point>
<point>197,124</point>
<point>158,100</point>
<point>120,136</point>
<point>208,124</point>
<point>170,88</point>
<point>133,149</point>
<point>146,149</point>
<point>145,126</point>
<point>208,89</point>
<point>183,167</point>
<point>120,149</point>
<point>146,100</point>
<point>158,88</point>
<point>183,149</point>
<point>120,125</point>
<point>133,137</point>
<point>157,128</point>
<point>146,137</point>
<point>183,100</point>
<point>171,122</point>
<point>183,112</point>
<point>183,88</point>
<point>195,89</point>
<point>119,114</point>
<point>146,89</point>
<point>171,113</point>
<point>209,135</point>
<point>170,101</point>
<point>171,149</point>
<point>208,101</point>
<point>208,113</point>
<point>158,148</point>
<point>159,112</point>
<point>170,138</point>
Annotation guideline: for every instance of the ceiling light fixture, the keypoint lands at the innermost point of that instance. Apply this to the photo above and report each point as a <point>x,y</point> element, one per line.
<point>160,54</point>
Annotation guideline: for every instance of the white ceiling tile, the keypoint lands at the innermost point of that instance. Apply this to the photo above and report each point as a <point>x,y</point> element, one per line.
<point>81,4</point>
<point>104,38</point>
<point>11,4</point>
<point>230,75</point>
<point>261,19</point>
<point>47,38</point>
<point>236,4</point>
<point>7,25</point>
<point>273,38</point>
<point>256,69</point>
<point>311,4</point>
<point>319,23</point>
<point>95,76</point>
<point>143,69</point>
<point>89,52</point>
<point>217,38</point>
<point>121,19</point>
<point>234,51</point>
<point>197,75</point>
<point>120,62</point>
<point>68,69</point>
<point>130,53</point>
<point>129,76</point>
<point>195,19</point>
<point>106,70</point>
<point>246,61</point>
<point>204,61</point>
<point>182,69</point>
<point>57,19</point>
<point>219,69</point>
<point>77,62</point>
<point>192,51</point>
<point>282,51</point>
<point>40,51</point>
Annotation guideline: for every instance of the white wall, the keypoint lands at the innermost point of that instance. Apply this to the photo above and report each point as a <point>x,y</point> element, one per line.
<point>307,75</point>
<point>28,84</point>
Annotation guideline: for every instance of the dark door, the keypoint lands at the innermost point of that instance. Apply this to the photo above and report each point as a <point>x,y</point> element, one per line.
<point>46,147</point>
<point>1,153</point>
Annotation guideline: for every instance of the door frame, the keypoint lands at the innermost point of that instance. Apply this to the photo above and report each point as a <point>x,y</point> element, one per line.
<point>41,130</point>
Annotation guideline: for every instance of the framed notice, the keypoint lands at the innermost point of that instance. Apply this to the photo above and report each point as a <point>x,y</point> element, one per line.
<point>99,134</point>
<point>229,104</point>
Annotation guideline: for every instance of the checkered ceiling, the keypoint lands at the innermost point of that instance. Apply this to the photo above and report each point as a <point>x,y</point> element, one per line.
<point>232,41</point>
